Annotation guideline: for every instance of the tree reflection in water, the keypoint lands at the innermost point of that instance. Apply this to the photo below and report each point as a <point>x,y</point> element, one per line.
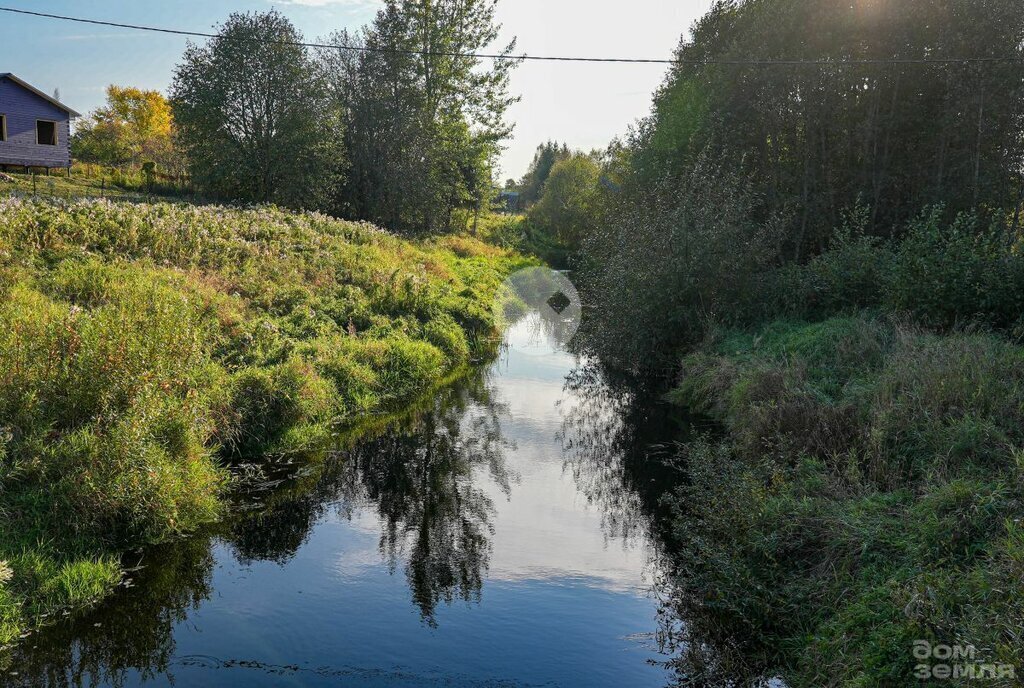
<point>620,443</point>
<point>622,446</point>
<point>420,475</point>
<point>131,632</point>
<point>615,437</point>
<point>423,482</point>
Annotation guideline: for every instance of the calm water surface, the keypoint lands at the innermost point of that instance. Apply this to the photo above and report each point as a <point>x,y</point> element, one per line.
<point>494,538</point>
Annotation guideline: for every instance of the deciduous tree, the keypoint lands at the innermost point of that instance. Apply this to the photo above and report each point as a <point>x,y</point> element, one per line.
<point>254,115</point>
<point>568,207</point>
<point>423,118</point>
<point>135,125</point>
<point>544,160</point>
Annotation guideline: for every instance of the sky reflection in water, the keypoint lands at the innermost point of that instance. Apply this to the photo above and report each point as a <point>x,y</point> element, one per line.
<point>489,540</point>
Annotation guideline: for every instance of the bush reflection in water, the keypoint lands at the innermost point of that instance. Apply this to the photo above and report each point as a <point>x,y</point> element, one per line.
<point>423,476</point>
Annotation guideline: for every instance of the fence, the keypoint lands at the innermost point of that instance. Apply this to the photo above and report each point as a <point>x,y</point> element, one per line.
<point>75,186</point>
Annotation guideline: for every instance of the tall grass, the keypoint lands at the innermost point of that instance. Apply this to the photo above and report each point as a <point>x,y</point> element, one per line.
<point>867,493</point>
<point>144,346</point>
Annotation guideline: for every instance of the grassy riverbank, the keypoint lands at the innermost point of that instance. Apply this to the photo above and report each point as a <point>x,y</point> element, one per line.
<point>142,346</point>
<point>867,493</point>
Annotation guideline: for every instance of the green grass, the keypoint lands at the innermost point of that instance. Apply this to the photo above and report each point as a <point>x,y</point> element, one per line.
<point>142,347</point>
<point>867,492</point>
<point>86,181</point>
<point>515,232</point>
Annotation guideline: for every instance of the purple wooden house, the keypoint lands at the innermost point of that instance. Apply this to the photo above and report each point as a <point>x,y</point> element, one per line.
<point>35,129</point>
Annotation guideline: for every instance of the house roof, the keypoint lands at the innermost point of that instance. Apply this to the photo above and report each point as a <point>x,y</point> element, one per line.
<point>29,87</point>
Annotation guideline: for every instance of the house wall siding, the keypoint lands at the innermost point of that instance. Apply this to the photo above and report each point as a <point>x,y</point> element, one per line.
<point>22,109</point>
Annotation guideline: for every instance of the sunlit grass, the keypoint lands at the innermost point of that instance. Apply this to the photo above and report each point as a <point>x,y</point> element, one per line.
<point>144,346</point>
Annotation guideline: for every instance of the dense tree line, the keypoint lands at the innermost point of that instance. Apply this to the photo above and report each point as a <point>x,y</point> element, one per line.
<point>742,167</point>
<point>544,160</point>
<point>423,120</point>
<point>399,125</point>
<point>816,138</point>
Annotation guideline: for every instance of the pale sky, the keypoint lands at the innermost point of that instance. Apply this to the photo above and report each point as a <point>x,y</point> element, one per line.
<point>584,105</point>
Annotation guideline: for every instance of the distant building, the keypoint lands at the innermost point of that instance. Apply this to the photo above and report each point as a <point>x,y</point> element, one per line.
<point>510,201</point>
<point>35,129</point>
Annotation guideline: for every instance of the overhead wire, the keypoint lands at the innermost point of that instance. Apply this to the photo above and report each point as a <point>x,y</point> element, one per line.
<point>540,58</point>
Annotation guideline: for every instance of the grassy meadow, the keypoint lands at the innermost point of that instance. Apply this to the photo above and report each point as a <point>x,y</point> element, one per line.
<point>143,347</point>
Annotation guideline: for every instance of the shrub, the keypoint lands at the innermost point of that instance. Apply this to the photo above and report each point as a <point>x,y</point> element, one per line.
<point>270,401</point>
<point>958,273</point>
<point>684,253</point>
<point>852,274</point>
<point>942,273</point>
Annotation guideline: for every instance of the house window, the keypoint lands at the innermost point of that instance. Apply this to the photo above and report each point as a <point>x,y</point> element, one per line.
<point>46,133</point>
<point>3,127</point>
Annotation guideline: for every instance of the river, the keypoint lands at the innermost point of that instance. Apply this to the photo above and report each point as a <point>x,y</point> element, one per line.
<point>498,536</point>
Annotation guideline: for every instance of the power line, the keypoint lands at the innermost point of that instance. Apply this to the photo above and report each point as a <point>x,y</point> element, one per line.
<point>543,58</point>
